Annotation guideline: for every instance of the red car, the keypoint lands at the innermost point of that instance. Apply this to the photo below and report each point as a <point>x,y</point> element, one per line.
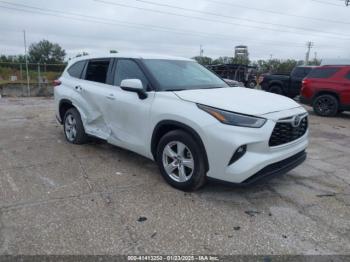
<point>327,90</point>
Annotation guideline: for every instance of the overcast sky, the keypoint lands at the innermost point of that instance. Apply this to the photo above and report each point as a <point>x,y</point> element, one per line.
<point>279,28</point>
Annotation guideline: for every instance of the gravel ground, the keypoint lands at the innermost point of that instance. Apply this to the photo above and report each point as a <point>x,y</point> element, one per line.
<point>58,198</point>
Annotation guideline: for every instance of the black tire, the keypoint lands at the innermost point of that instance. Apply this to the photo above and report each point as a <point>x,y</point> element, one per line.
<point>276,90</point>
<point>198,177</point>
<point>251,84</point>
<point>81,137</point>
<point>326,105</point>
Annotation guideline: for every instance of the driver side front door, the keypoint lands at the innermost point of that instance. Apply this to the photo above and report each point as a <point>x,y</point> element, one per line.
<point>128,115</point>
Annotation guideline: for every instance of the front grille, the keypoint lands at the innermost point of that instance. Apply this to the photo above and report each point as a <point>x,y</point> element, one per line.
<point>284,132</point>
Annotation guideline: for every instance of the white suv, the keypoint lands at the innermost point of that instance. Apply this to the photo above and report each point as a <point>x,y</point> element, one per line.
<point>183,116</point>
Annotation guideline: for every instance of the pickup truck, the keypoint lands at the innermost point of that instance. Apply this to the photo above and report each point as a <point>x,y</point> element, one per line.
<point>287,85</point>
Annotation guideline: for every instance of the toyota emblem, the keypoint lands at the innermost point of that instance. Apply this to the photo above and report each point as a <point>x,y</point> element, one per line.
<point>296,121</point>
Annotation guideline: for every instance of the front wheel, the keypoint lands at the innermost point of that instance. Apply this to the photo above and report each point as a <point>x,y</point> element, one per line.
<point>326,105</point>
<point>181,161</point>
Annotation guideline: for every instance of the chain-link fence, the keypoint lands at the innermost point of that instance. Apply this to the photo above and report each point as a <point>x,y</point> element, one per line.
<point>14,78</point>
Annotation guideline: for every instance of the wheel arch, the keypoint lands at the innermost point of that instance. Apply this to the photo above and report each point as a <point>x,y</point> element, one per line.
<point>64,105</point>
<point>275,83</point>
<point>326,92</point>
<point>166,126</point>
<point>278,84</point>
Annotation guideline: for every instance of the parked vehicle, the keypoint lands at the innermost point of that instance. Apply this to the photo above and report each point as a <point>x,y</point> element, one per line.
<point>327,90</point>
<point>287,85</point>
<point>183,116</point>
<point>238,72</point>
<point>233,83</point>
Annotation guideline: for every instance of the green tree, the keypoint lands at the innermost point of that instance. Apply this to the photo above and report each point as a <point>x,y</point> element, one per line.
<point>277,66</point>
<point>46,52</point>
<point>223,60</point>
<point>203,60</point>
<point>315,62</point>
<point>12,58</point>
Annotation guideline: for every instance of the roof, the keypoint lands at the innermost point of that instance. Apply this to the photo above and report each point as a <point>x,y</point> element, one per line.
<point>130,55</point>
<point>307,66</point>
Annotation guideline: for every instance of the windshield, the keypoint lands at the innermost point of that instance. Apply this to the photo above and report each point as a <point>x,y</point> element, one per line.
<point>173,75</point>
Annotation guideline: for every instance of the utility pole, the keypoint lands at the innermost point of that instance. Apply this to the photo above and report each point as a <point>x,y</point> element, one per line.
<point>201,51</point>
<point>309,45</point>
<point>26,57</point>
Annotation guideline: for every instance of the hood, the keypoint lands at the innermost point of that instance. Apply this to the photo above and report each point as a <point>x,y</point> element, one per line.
<point>239,100</point>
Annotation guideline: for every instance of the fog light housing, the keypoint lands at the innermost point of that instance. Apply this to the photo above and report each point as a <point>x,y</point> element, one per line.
<point>238,154</point>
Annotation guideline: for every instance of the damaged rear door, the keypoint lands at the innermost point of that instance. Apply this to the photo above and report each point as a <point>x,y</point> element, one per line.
<point>94,91</point>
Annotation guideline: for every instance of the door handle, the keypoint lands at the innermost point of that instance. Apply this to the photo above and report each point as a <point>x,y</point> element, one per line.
<point>110,97</point>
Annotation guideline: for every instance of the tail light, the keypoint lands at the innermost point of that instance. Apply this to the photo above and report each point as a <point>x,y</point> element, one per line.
<point>57,82</point>
<point>304,84</point>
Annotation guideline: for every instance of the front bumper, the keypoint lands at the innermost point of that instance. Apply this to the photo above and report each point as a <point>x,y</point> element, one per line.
<point>278,168</point>
<point>259,160</point>
<point>272,170</point>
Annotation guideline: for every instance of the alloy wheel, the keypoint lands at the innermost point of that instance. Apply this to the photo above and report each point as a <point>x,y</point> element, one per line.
<point>325,105</point>
<point>178,161</point>
<point>70,127</point>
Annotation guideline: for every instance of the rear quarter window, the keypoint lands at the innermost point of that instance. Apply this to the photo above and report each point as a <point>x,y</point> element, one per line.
<point>76,69</point>
<point>322,72</point>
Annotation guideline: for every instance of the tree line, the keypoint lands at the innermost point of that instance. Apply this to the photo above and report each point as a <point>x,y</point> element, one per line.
<point>45,52</point>
<point>273,66</point>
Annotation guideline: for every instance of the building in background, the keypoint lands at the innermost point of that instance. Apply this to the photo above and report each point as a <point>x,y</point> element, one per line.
<point>241,53</point>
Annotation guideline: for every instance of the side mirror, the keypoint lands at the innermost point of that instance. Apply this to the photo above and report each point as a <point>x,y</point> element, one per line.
<point>134,85</point>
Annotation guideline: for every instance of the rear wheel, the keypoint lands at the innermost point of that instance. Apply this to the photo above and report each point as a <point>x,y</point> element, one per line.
<point>181,161</point>
<point>276,90</point>
<point>326,105</point>
<point>73,127</point>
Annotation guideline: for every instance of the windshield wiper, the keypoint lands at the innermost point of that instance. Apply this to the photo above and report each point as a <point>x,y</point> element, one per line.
<point>173,90</point>
<point>213,87</point>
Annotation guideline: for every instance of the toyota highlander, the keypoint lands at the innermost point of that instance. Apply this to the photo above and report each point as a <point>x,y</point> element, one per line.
<point>181,115</point>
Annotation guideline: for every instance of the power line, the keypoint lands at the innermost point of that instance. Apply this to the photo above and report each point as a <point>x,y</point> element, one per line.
<point>101,20</point>
<point>325,2</point>
<point>277,12</point>
<point>334,35</point>
<point>222,16</point>
<point>93,19</point>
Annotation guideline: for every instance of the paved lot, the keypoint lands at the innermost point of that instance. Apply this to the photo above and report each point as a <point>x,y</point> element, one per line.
<point>57,198</point>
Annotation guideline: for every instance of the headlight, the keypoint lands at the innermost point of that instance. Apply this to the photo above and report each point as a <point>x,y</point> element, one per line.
<point>234,119</point>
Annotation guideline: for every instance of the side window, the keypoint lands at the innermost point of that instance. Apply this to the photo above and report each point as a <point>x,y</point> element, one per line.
<point>128,69</point>
<point>76,69</point>
<point>307,70</point>
<point>97,70</point>
<point>299,72</point>
<point>323,72</point>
